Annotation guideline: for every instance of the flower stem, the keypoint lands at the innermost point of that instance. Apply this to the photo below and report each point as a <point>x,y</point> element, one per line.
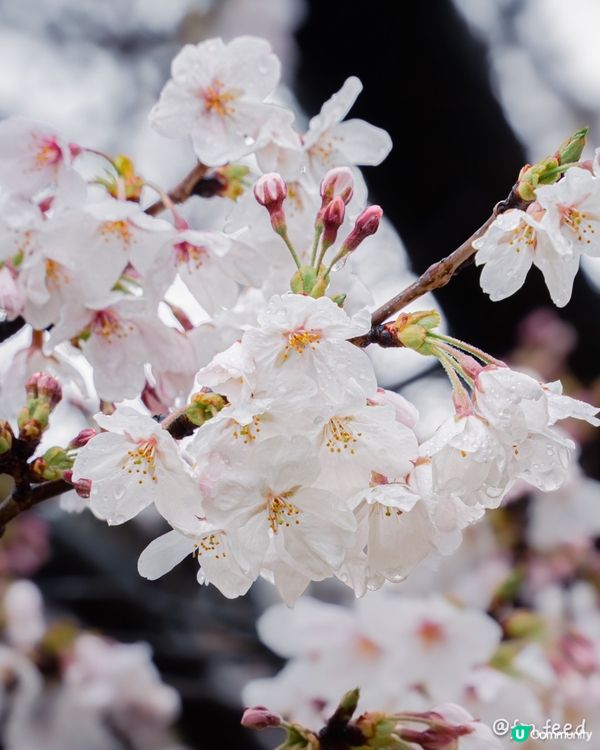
<point>469,348</point>
<point>284,236</point>
<point>313,255</point>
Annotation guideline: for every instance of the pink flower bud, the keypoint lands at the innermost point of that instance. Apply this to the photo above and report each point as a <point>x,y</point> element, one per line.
<point>270,191</point>
<point>366,225</point>
<point>75,150</point>
<point>46,387</point>
<point>333,218</point>
<point>260,717</point>
<point>83,487</point>
<point>337,182</point>
<point>82,438</point>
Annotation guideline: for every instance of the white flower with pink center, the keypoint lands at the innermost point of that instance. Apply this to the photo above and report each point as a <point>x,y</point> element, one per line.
<point>299,334</point>
<point>135,463</point>
<point>118,339</point>
<point>217,97</point>
<point>32,156</point>
<point>212,265</point>
<point>518,240</point>
<point>572,215</point>
<point>329,142</point>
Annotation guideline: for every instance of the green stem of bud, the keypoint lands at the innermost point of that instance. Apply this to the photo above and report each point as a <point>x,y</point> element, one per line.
<point>469,348</point>
<point>313,256</point>
<point>284,236</point>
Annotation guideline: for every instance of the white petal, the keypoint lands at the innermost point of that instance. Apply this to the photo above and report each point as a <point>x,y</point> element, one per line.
<point>163,554</point>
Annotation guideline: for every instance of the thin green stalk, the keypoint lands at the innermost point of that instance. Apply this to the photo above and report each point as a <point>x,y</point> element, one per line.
<point>469,348</point>
<point>313,255</point>
<point>284,236</point>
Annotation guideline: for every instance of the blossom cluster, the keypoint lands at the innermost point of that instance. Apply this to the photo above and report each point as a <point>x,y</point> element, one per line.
<point>299,467</point>
<point>62,687</point>
<point>502,641</point>
<point>552,233</point>
<point>308,470</point>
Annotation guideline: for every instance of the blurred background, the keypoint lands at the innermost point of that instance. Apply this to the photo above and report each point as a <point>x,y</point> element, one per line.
<point>469,90</point>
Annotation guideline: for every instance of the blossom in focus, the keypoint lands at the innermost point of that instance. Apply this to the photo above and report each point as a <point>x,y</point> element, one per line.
<point>217,97</point>
<point>331,141</point>
<point>309,335</point>
<point>515,241</point>
<point>133,464</point>
<point>211,547</point>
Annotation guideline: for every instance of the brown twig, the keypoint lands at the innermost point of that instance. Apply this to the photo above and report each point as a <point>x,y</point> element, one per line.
<point>438,274</point>
<point>178,424</point>
<point>182,191</point>
<point>11,507</point>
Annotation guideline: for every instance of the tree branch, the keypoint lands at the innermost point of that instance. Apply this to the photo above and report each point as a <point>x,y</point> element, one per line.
<point>11,507</point>
<point>178,424</point>
<point>182,191</point>
<point>440,273</point>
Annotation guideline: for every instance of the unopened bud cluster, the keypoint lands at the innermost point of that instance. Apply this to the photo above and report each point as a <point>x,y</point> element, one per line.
<point>43,394</point>
<point>438,729</point>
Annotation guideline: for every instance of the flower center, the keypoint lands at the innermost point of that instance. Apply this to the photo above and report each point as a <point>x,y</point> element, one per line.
<point>209,545</point>
<point>248,432</point>
<point>431,633</point>
<point>339,435</point>
<point>281,512</point>
<point>189,255</point>
<point>141,461</point>
<point>298,341</point>
<point>523,237</point>
<point>324,148</point>
<point>119,230</point>
<point>48,152</point>
<point>578,222</point>
<point>107,324</point>
<point>56,275</point>
<point>217,100</point>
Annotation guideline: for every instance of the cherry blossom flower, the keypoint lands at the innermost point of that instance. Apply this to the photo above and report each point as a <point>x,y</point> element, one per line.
<point>32,156</point>
<point>118,338</point>
<point>404,652</point>
<point>211,547</point>
<point>395,533</point>
<point>515,241</point>
<point>133,464</point>
<point>279,506</point>
<point>217,96</point>
<point>309,336</point>
<point>357,440</point>
<point>212,265</point>
<point>469,460</point>
<point>118,680</point>
<point>329,142</point>
<point>572,215</point>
